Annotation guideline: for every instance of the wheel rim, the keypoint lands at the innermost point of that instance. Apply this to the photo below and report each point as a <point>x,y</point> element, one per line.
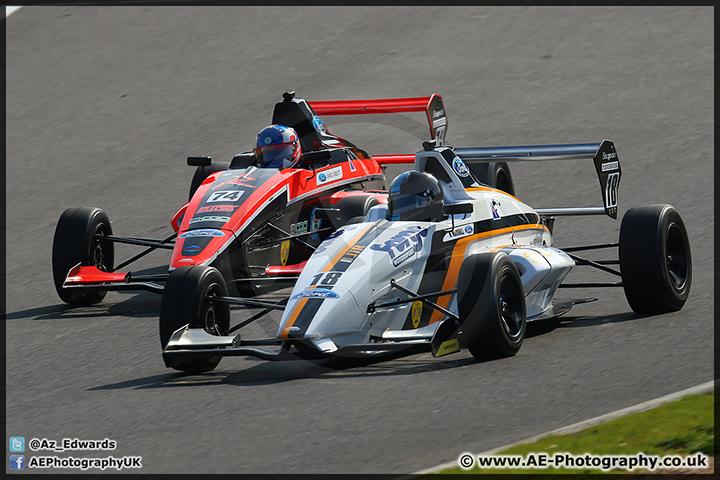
<point>97,255</point>
<point>676,257</point>
<point>208,316</point>
<point>510,305</point>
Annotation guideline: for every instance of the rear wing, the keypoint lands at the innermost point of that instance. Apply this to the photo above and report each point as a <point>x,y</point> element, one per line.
<point>603,154</point>
<point>432,106</point>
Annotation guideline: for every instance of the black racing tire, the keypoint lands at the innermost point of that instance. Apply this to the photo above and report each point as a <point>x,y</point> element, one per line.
<point>655,259</point>
<point>494,174</point>
<point>353,209</point>
<point>491,306</point>
<point>75,242</point>
<point>201,173</point>
<point>186,301</point>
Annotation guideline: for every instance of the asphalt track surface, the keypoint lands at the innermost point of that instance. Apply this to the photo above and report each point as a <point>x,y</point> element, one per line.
<point>104,104</point>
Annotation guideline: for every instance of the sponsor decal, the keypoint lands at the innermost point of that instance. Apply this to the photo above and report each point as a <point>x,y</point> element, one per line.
<point>438,118</point>
<point>416,313</point>
<point>460,168</point>
<point>352,165</point>
<point>459,232</point>
<point>192,250</point>
<point>329,240</point>
<point>318,124</point>
<point>284,252</point>
<point>225,196</point>
<point>292,329</point>
<point>330,175</point>
<point>299,227</point>
<point>403,245</point>
<point>211,218</point>
<point>609,156</point>
<point>316,293</point>
<point>205,232</point>
<point>314,224</point>
<point>493,207</point>
<point>449,346</point>
<point>609,166</point>
<point>217,208</point>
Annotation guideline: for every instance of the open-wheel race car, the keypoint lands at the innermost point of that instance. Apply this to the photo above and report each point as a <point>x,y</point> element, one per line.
<point>447,262</point>
<point>256,226</point>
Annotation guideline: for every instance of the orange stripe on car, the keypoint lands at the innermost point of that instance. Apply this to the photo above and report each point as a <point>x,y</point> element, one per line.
<point>301,304</point>
<point>488,189</point>
<point>458,255</point>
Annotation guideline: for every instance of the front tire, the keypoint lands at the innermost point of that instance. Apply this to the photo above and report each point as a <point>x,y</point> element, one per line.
<point>655,259</point>
<point>187,300</point>
<point>491,305</point>
<point>78,240</point>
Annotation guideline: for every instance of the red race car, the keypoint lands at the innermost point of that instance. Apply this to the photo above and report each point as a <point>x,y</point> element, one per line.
<point>257,226</point>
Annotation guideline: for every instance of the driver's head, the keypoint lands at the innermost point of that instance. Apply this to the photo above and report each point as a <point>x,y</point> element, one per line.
<point>277,146</point>
<point>415,196</point>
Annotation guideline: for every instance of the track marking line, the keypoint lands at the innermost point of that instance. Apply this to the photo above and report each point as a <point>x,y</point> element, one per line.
<point>576,427</point>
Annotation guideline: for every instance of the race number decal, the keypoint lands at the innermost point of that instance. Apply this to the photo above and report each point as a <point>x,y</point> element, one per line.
<point>329,278</point>
<point>440,135</point>
<point>225,196</point>
<point>611,190</point>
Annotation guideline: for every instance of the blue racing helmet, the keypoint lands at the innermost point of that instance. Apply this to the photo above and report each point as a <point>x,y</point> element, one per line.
<point>277,146</point>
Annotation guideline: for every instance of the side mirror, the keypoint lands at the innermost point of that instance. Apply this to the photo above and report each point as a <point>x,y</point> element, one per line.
<point>457,208</point>
<point>318,156</point>
<point>199,161</point>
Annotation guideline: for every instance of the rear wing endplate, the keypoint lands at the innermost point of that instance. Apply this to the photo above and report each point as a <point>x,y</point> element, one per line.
<point>603,154</point>
<point>432,106</point>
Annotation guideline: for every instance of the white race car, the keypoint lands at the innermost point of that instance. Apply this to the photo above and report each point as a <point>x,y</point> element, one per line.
<point>447,263</point>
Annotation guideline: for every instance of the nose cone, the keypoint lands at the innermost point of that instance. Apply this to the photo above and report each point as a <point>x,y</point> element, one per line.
<point>221,209</point>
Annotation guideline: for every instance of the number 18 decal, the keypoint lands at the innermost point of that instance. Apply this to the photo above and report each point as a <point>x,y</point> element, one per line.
<point>225,196</point>
<point>611,190</point>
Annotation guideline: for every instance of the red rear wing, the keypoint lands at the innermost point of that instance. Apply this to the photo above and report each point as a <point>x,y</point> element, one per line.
<point>358,107</point>
<point>432,106</point>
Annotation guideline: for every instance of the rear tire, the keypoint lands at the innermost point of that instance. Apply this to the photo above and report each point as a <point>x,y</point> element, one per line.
<point>353,209</point>
<point>491,305</point>
<point>75,242</point>
<point>655,259</point>
<point>185,301</point>
<point>494,174</point>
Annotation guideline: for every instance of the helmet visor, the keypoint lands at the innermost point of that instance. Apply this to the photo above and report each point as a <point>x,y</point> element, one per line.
<point>273,155</point>
<point>402,204</point>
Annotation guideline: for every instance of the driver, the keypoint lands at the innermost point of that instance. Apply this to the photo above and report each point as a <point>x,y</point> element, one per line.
<point>277,146</point>
<point>415,196</point>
